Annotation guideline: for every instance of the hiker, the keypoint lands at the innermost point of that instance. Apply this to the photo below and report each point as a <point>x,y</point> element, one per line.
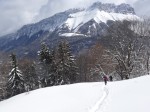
<point>105,79</point>
<point>110,78</point>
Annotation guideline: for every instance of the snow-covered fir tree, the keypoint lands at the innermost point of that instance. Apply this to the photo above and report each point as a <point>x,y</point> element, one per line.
<point>15,83</point>
<point>31,77</point>
<point>48,65</point>
<point>52,68</point>
<point>58,65</point>
<point>44,54</point>
<point>66,67</point>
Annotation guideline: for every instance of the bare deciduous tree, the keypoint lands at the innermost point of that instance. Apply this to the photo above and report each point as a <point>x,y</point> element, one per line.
<point>125,46</point>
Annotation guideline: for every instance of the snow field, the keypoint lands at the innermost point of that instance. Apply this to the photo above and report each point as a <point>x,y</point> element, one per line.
<point>131,95</point>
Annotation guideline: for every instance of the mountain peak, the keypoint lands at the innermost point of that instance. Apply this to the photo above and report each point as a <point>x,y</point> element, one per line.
<point>110,7</point>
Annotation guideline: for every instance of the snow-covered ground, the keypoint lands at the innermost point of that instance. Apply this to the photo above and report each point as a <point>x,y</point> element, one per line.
<point>122,96</point>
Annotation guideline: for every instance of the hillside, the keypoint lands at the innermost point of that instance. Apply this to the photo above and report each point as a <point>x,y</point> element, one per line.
<point>121,96</point>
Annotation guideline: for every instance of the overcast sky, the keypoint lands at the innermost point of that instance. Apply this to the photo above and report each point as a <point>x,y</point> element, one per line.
<point>15,13</point>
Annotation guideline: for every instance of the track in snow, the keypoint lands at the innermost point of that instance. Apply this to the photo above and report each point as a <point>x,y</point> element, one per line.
<point>99,103</point>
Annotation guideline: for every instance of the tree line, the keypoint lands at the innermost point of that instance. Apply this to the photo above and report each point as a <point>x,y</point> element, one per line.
<point>55,67</point>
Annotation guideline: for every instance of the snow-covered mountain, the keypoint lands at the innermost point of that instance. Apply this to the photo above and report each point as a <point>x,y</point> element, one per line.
<point>74,23</point>
<point>121,96</point>
<point>93,22</point>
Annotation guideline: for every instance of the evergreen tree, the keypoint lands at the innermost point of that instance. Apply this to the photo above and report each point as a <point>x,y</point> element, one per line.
<point>59,65</point>
<point>31,78</point>
<point>45,54</point>
<point>52,69</point>
<point>15,83</point>
<point>47,60</point>
<point>66,68</point>
<point>71,64</point>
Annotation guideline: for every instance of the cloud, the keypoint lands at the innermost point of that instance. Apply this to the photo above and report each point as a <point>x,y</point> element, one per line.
<point>15,13</point>
<point>54,6</point>
<point>142,7</point>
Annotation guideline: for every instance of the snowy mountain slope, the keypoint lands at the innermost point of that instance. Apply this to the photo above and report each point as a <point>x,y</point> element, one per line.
<point>122,96</point>
<point>129,96</point>
<point>80,18</point>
